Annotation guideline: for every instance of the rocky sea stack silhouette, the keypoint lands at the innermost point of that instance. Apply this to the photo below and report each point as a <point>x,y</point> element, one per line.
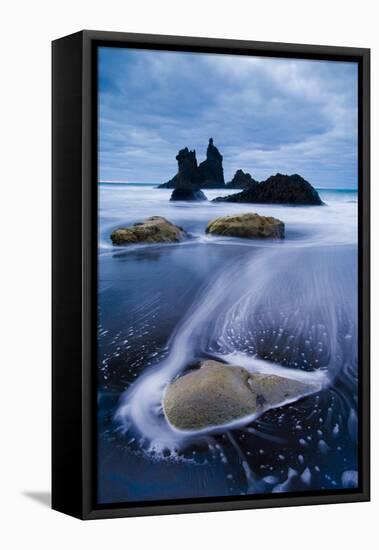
<point>191,178</point>
<point>278,189</point>
<point>240,180</point>
<point>187,187</point>
<point>209,174</point>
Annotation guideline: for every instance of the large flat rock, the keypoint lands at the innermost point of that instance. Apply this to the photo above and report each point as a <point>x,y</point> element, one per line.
<point>217,394</point>
<point>247,226</point>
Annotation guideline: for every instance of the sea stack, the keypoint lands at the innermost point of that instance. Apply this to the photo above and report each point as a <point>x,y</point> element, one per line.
<point>240,180</point>
<point>187,179</point>
<point>209,174</point>
<point>278,189</point>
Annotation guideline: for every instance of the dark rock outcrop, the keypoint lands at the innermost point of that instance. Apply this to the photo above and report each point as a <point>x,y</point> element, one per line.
<point>187,194</point>
<point>170,184</point>
<point>211,172</point>
<point>187,171</point>
<point>247,226</point>
<point>187,168</point>
<point>208,174</point>
<point>240,180</point>
<point>279,189</point>
<point>152,230</point>
<point>186,181</point>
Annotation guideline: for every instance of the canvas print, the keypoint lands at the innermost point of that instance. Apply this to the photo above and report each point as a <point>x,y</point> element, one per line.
<point>227,276</point>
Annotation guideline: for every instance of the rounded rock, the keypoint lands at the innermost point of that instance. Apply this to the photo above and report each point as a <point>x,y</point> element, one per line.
<point>155,229</point>
<point>247,226</point>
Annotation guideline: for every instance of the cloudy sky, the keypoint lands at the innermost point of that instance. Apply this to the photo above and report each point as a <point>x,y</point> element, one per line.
<point>266,115</point>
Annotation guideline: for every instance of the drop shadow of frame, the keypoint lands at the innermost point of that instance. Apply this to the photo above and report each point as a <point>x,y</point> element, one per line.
<point>41,497</point>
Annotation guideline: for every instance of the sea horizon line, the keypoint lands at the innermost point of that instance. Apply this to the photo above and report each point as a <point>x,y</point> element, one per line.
<point>107,182</point>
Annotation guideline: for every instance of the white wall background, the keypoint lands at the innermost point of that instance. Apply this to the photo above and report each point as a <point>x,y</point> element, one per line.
<point>27,29</point>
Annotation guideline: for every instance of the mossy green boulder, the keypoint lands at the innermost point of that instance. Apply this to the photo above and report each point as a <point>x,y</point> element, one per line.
<point>155,229</point>
<point>247,226</point>
<point>217,394</point>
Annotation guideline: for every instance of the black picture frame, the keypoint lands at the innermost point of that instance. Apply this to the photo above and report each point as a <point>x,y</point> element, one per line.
<point>74,271</point>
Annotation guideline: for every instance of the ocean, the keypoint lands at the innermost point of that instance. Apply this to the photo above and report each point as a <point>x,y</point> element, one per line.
<point>291,304</point>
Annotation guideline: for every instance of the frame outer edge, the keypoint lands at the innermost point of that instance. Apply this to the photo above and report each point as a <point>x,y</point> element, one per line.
<point>365,246</point>
<point>88,284</point>
<point>67,337</point>
<point>89,126</point>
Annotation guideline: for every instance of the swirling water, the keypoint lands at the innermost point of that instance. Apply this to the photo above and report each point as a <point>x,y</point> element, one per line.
<point>267,306</point>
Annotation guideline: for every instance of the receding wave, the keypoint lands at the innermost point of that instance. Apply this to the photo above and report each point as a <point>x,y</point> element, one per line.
<point>282,312</point>
<point>275,307</point>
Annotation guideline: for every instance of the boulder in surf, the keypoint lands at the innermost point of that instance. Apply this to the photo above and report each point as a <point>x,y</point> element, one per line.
<point>217,394</point>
